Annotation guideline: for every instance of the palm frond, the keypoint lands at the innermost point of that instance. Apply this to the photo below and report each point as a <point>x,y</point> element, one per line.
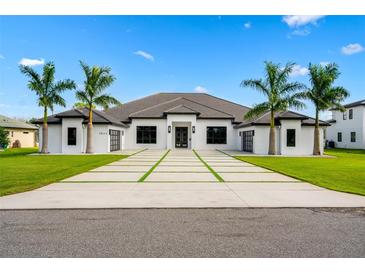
<point>257,110</point>
<point>63,85</point>
<point>256,84</point>
<point>83,97</point>
<point>106,100</point>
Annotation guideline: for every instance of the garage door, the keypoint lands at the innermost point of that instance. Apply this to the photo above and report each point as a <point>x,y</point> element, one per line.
<point>247,140</point>
<point>114,139</point>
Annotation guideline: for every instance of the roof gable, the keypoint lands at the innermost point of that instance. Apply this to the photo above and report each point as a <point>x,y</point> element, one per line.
<point>181,109</point>
<point>159,111</point>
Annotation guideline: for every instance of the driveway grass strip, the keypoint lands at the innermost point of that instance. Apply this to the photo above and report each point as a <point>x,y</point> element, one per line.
<point>143,178</point>
<point>216,175</point>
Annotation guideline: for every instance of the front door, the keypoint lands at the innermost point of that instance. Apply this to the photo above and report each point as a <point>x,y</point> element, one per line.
<point>181,137</point>
<point>114,139</point>
<point>247,140</point>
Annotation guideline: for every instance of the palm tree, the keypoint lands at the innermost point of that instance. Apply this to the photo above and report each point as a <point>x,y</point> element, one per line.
<point>324,95</point>
<point>97,79</point>
<point>281,95</point>
<point>48,92</point>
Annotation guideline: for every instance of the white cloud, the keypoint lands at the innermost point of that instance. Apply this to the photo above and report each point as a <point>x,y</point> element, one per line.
<point>352,49</point>
<point>247,25</point>
<point>201,89</point>
<point>295,21</point>
<point>144,55</point>
<point>31,62</point>
<point>301,32</point>
<point>298,70</point>
<point>2,56</point>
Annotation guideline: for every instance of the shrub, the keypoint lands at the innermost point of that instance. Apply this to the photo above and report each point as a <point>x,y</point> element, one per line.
<point>4,138</point>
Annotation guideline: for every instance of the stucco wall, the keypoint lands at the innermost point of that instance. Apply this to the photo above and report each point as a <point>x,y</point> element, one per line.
<point>303,143</point>
<point>200,136</point>
<point>25,139</point>
<point>54,138</point>
<point>357,124</point>
<point>131,134</point>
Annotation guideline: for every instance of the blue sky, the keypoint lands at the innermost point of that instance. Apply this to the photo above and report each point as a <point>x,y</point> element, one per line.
<point>149,54</point>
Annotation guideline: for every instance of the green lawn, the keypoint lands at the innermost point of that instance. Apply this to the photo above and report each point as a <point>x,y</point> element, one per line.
<point>345,172</point>
<point>20,172</point>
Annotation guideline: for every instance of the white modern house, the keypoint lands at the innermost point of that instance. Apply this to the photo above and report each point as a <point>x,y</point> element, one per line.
<point>180,121</point>
<point>347,128</point>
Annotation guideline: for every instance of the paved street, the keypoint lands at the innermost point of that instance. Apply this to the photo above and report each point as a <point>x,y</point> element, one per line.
<point>183,233</point>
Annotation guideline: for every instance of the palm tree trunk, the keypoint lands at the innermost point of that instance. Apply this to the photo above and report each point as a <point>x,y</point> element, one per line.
<point>272,140</point>
<point>45,132</point>
<point>89,141</point>
<point>316,146</point>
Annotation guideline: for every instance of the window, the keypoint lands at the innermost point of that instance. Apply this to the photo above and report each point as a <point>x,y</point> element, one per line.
<point>290,137</point>
<point>339,137</point>
<point>353,137</point>
<point>216,135</point>
<point>71,136</point>
<point>351,114</point>
<point>146,134</point>
<point>345,115</point>
<point>25,132</point>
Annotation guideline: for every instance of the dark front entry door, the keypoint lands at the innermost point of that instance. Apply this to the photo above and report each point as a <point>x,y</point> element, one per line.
<point>114,139</point>
<point>247,140</point>
<point>181,137</point>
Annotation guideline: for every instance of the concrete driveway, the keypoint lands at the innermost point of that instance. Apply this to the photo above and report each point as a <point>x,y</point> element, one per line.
<point>179,180</point>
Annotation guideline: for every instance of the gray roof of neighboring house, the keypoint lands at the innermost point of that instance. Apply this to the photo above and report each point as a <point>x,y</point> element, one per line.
<point>156,105</point>
<point>355,104</point>
<point>99,117</point>
<point>7,122</point>
<point>286,115</point>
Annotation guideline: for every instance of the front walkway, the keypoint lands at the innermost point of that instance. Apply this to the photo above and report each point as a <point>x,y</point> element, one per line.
<point>179,179</point>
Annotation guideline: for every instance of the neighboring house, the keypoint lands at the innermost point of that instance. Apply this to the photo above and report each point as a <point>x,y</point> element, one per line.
<point>180,121</point>
<point>25,133</point>
<point>347,128</point>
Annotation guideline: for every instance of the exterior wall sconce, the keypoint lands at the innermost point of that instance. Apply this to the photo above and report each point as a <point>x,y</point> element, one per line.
<point>169,129</point>
<point>193,129</point>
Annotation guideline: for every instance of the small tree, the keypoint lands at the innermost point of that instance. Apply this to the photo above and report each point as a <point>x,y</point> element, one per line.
<point>4,138</point>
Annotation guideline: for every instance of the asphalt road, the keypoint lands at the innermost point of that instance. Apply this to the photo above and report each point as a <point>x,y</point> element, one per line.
<point>183,233</point>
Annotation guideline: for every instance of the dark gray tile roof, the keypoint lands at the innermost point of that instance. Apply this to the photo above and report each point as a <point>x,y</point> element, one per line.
<point>99,117</point>
<point>159,110</point>
<point>155,105</point>
<point>286,115</point>
<point>6,122</point>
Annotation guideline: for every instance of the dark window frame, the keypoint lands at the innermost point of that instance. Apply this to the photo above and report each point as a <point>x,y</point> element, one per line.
<point>71,136</point>
<point>290,137</point>
<point>353,136</point>
<point>146,134</point>
<point>351,114</point>
<point>339,137</point>
<point>114,140</point>
<point>216,135</point>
